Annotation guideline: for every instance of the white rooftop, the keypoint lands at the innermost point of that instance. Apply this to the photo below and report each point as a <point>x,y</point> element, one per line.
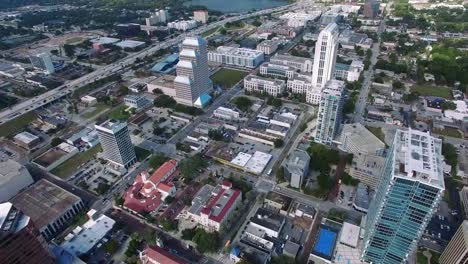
<point>185,64</point>
<point>130,44</point>
<point>105,40</point>
<point>182,79</point>
<point>418,156</point>
<point>192,41</point>
<point>460,113</point>
<point>26,137</point>
<point>258,162</point>
<point>241,159</point>
<point>90,234</point>
<point>349,234</point>
<point>188,53</point>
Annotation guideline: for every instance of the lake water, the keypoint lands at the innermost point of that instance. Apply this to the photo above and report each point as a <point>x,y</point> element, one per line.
<point>237,6</point>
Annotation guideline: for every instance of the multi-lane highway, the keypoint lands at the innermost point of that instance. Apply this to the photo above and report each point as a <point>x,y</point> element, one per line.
<point>71,86</point>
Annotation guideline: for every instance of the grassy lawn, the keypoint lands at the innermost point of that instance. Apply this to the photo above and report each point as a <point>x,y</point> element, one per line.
<point>228,77</point>
<point>141,153</point>
<point>16,125</point>
<point>99,108</point>
<point>448,131</point>
<point>421,259</point>
<point>210,32</point>
<point>119,113</point>
<point>70,166</point>
<point>377,131</point>
<point>427,90</point>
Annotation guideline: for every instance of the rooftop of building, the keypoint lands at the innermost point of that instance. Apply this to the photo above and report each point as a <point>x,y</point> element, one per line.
<point>44,202</point>
<point>221,202</point>
<point>289,58</point>
<point>10,170</point>
<point>334,87</point>
<point>111,125</point>
<point>268,219</point>
<point>325,243</point>
<point>160,255</point>
<point>26,137</point>
<point>264,80</point>
<point>83,238</point>
<point>194,41</point>
<point>275,197</point>
<point>105,40</point>
<point>166,81</point>
<point>130,44</point>
<point>240,52</point>
<point>418,156</point>
<point>361,137</point>
<point>349,234</point>
<point>11,219</point>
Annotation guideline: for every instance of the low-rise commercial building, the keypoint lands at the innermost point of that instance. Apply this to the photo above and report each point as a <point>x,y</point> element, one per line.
<point>227,113</point>
<point>299,63</point>
<point>212,206</point>
<point>55,156</point>
<point>350,73</point>
<point>241,57</point>
<point>299,84</point>
<point>26,140</point>
<point>300,19</point>
<point>278,202</point>
<point>157,255</point>
<point>268,46</point>
<point>276,70</point>
<point>272,87</point>
<point>14,177</point>
<point>349,39</point>
<point>49,206</point>
<point>84,238</point>
<point>136,101</point>
<point>88,100</point>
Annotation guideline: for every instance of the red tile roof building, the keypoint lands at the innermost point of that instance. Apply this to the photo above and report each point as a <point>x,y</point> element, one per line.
<point>157,255</point>
<point>148,192</point>
<point>212,206</point>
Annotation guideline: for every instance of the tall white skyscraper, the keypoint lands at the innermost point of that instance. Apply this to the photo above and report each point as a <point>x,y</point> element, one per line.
<point>116,143</point>
<point>409,192</point>
<point>326,49</point>
<point>193,83</point>
<point>43,62</point>
<point>330,111</point>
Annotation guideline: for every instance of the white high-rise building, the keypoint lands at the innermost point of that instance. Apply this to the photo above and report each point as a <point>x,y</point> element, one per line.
<point>160,16</point>
<point>330,111</point>
<point>42,61</point>
<point>193,75</point>
<point>116,143</point>
<point>324,61</point>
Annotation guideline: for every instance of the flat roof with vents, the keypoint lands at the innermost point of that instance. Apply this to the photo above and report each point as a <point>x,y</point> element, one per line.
<point>44,202</point>
<point>418,156</point>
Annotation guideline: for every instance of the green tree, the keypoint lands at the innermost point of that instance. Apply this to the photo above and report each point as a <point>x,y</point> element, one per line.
<point>167,224</point>
<point>322,157</point>
<point>157,160</point>
<point>278,143</point>
<point>243,103</point>
<point>206,242</point>
<point>118,200</point>
<point>112,246</point>
<point>280,175</point>
<point>451,157</point>
<point>189,233</point>
<point>56,141</point>
<point>165,101</point>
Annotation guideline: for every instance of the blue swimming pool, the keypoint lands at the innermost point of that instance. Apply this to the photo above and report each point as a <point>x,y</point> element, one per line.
<point>325,242</point>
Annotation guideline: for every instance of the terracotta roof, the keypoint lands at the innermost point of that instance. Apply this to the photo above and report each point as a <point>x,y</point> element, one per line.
<point>160,255</point>
<point>163,171</point>
<point>165,186</point>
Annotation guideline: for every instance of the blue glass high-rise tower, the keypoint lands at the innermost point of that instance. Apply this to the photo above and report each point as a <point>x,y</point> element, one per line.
<point>408,193</point>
